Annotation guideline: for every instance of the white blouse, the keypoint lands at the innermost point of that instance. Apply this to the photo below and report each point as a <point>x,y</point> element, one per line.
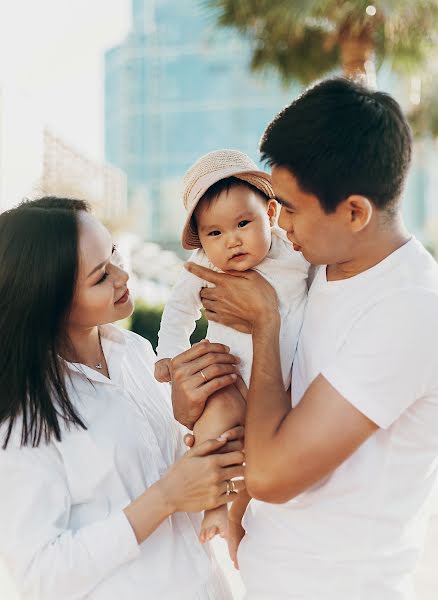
<point>63,532</point>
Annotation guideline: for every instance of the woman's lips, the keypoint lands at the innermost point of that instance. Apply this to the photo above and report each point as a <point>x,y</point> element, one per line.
<point>124,298</point>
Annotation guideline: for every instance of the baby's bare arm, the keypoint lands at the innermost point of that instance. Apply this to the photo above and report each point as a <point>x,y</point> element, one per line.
<point>224,409</point>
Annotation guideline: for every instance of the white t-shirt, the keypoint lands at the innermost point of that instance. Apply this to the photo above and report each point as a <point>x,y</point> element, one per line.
<point>63,532</point>
<point>285,269</point>
<point>357,534</point>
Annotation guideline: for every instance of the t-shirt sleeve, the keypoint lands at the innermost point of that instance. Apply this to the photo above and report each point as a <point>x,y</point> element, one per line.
<point>181,312</point>
<point>389,357</point>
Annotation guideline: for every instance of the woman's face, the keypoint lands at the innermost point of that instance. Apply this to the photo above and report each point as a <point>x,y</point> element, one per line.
<point>102,294</point>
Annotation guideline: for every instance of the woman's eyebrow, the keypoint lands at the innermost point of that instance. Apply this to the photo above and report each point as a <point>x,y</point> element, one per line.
<point>99,266</point>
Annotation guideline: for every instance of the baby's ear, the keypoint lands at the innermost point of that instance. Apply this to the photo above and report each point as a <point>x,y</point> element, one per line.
<point>271,209</point>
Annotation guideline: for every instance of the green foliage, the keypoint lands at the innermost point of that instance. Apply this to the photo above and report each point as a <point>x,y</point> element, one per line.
<point>302,39</point>
<point>424,117</point>
<point>146,322</point>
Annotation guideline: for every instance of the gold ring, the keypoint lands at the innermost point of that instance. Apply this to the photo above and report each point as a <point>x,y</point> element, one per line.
<point>233,487</point>
<point>228,482</point>
<point>205,378</point>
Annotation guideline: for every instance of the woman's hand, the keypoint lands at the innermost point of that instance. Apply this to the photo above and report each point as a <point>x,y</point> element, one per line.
<point>241,300</point>
<point>235,437</point>
<point>198,480</point>
<point>196,374</point>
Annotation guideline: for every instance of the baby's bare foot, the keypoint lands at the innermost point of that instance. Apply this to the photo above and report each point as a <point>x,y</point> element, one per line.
<point>215,522</point>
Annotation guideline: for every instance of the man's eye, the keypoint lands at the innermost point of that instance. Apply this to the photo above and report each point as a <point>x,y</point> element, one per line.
<point>214,233</point>
<point>104,276</point>
<point>243,223</point>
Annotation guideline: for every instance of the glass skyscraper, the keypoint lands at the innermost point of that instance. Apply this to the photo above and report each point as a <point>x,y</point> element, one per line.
<point>176,88</point>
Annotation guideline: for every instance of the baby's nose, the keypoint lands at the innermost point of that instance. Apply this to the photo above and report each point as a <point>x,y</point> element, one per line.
<point>233,241</point>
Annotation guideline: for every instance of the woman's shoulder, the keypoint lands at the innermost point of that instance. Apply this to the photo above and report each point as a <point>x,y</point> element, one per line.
<point>135,342</point>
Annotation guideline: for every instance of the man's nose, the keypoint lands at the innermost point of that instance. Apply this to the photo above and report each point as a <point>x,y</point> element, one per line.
<point>283,223</point>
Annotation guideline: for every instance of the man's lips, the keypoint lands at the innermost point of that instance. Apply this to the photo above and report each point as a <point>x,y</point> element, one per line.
<point>297,247</point>
<point>123,298</point>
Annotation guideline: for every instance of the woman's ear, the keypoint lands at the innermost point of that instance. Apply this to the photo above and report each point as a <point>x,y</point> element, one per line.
<point>271,209</point>
<point>358,212</point>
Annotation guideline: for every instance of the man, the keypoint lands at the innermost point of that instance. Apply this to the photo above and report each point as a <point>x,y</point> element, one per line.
<point>343,473</point>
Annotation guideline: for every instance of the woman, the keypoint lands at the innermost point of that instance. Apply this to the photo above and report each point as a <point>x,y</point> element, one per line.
<point>90,504</point>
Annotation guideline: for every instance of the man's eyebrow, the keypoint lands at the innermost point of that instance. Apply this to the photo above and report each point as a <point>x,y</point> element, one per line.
<point>284,202</point>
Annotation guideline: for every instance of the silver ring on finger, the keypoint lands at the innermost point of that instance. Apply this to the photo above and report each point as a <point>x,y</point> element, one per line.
<point>204,377</point>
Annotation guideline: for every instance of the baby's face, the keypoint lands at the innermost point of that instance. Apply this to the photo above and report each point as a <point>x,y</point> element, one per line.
<point>235,229</point>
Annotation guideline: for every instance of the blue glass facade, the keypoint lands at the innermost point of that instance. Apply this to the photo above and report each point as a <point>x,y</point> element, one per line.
<point>176,88</point>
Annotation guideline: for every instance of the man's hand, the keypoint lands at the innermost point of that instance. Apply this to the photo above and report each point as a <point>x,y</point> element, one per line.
<point>196,374</point>
<point>241,300</point>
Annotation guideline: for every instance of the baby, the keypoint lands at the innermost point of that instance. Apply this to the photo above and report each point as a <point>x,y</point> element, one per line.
<point>231,215</point>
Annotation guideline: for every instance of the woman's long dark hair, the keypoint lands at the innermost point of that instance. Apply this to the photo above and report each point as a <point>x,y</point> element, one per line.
<point>38,271</point>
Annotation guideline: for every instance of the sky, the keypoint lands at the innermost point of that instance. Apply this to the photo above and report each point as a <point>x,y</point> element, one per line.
<point>52,51</point>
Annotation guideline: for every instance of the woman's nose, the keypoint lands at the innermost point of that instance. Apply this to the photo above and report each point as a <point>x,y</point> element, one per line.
<point>119,275</point>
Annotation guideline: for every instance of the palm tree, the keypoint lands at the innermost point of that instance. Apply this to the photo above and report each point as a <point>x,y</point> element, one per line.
<point>306,39</point>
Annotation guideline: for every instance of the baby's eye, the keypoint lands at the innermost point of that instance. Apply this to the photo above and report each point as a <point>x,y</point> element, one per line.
<point>214,233</point>
<point>104,276</point>
<point>243,223</point>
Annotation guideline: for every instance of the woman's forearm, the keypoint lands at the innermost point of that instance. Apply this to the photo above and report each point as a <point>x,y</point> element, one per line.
<point>148,511</point>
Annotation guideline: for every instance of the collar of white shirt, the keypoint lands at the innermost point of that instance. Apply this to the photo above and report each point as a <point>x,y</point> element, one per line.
<point>114,348</point>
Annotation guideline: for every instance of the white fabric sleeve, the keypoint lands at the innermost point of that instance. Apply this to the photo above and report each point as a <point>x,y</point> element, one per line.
<point>386,364</point>
<point>48,560</point>
<point>181,312</point>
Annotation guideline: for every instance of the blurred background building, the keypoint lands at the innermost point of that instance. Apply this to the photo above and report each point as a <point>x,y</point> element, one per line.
<point>176,88</point>
<point>35,162</point>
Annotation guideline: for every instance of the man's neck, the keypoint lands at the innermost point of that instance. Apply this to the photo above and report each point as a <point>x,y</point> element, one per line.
<point>371,251</point>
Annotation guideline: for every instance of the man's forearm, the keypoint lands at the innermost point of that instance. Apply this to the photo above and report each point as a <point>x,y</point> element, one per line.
<point>267,405</point>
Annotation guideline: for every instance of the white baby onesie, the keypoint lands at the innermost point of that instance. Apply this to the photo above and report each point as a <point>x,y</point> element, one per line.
<point>285,269</point>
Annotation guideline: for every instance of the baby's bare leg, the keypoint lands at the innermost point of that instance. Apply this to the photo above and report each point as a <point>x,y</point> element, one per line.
<point>221,413</point>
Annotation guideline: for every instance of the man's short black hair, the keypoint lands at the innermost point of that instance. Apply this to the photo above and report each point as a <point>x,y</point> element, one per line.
<point>340,138</point>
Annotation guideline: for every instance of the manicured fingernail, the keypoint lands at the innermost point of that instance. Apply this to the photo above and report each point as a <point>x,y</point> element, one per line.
<point>233,376</point>
<point>222,438</point>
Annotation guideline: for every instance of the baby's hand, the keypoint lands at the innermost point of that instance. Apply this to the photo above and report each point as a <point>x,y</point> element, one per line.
<point>162,370</point>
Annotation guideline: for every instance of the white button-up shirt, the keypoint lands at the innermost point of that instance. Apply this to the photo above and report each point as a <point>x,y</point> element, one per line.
<point>63,532</point>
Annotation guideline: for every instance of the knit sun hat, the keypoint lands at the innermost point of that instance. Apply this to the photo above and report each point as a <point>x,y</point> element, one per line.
<point>211,168</point>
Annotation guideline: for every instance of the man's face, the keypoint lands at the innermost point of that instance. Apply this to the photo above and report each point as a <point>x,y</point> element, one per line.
<point>322,238</point>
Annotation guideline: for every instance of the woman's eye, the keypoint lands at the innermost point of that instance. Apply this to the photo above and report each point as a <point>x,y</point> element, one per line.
<point>102,279</point>
<point>214,233</point>
<point>243,223</point>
